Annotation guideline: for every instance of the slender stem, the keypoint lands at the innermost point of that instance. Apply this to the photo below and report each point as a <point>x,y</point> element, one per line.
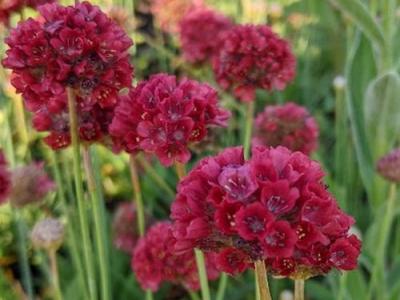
<point>20,122</point>
<point>248,128</point>
<point>137,195</point>
<point>154,175</point>
<point>193,295</point>
<point>83,218</point>
<point>54,274</point>
<point>342,287</point>
<point>201,268</point>
<point>299,289</point>
<point>98,223</point>
<point>262,279</point>
<point>180,170</point>
<point>222,286</point>
<point>378,267</point>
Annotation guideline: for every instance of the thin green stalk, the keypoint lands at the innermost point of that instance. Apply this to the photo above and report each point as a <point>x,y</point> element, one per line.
<point>54,274</point>
<point>388,22</point>
<point>299,289</point>
<point>342,287</point>
<point>262,280</point>
<point>201,268</point>
<point>223,280</point>
<point>379,263</point>
<point>83,218</point>
<point>193,295</point>
<point>98,224</point>
<point>154,175</point>
<point>19,222</point>
<point>248,128</point>
<point>137,195</point>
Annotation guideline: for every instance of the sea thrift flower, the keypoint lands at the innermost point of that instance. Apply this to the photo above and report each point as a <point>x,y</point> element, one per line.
<point>155,261</point>
<point>5,178</point>
<point>289,125</point>
<point>168,13</point>
<point>199,45</point>
<point>124,227</point>
<point>252,57</point>
<point>48,234</point>
<point>273,207</point>
<point>75,47</point>
<point>163,116</point>
<point>389,166</point>
<point>30,184</point>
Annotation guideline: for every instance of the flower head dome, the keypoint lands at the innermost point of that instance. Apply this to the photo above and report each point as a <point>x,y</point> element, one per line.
<point>201,34</point>
<point>164,115</point>
<point>288,125</point>
<point>272,207</point>
<point>155,261</point>
<point>389,166</point>
<point>252,57</point>
<point>75,47</point>
<point>5,178</point>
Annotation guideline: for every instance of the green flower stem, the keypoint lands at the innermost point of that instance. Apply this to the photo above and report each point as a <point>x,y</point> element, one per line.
<point>19,222</point>
<point>262,280</point>
<point>137,195</point>
<point>299,289</point>
<point>201,268</point>
<point>98,223</point>
<point>379,264</point>
<point>54,274</point>
<point>248,128</point>
<point>154,175</point>
<point>83,218</point>
<point>222,286</point>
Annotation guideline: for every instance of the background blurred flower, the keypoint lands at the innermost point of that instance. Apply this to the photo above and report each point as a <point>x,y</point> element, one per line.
<point>77,47</point>
<point>30,184</point>
<point>289,125</point>
<point>273,206</point>
<point>163,116</point>
<point>252,57</point>
<point>48,234</point>
<point>5,178</point>
<point>201,33</point>
<point>155,261</point>
<point>389,166</point>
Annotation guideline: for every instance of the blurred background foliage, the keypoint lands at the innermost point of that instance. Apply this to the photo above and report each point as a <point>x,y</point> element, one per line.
<point>347,61</point>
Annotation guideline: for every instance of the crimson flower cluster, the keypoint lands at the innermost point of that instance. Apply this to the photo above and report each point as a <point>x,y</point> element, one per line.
<point>272,207</point>
<point>5,178</point>
<point>77,47</point>
<point>155,261</point>
<point>163,116</point>
<point>252,57</point>
<point>288,125</point>
<point>201,34</point>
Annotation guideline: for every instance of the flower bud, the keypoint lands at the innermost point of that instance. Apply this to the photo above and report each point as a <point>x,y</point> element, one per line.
<point>48,234</point>
<point>389,166</point>
<point>30,184</point>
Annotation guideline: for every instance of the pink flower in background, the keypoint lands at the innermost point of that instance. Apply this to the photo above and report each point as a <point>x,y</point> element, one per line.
<point>289,125</point>
<point>155,261</point>
<point>389,166</point>
<point>273,207</point>
<point>252,57</point>
<point>30,184</point>
<point>164,116</point>
<point>168,13</point>
<point>202,32</point>
<point>77,47</point>
<point>5,178</point>
<point>10,7</point>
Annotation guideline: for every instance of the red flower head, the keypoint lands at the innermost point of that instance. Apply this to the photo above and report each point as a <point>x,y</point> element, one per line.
<point>389,166</point>
<point>289,125</point>
<point>155,261</point>
<point>163,116</point>
<point>201,33</point>
<point>124,227</point>
<point>5,178</point>
<point>77,47</point>
<point>168,13</point>
<point>252,57</point>
<point>274,206</point>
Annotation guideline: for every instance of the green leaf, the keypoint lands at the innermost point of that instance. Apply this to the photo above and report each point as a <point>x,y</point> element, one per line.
<point>359,14</point>
<point>382,112</point>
